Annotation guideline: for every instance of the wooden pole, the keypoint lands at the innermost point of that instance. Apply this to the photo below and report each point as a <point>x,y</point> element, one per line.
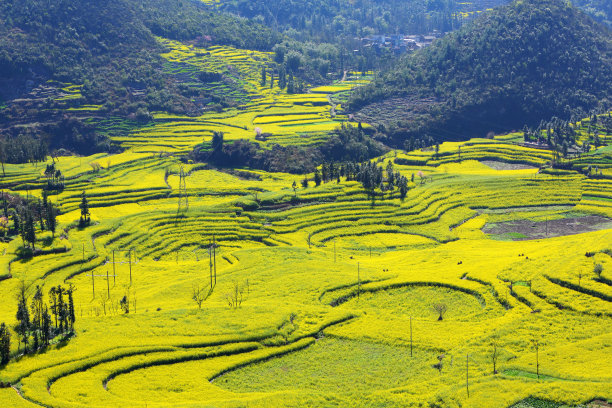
<point>107,285</point>
<point>467,374</point>
<point>410,336</point>
<point>210,263</point>
<point>93,289</point>
<point>358,281</point>
<point>537,359</point>
<point>215,258</point>
<point>334,251</point>
<point>130,262</point>
<point>114,272</point>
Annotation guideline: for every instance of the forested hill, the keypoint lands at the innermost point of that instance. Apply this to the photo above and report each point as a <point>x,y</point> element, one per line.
<point>72,40</point>
<point>108,46</point>
<point>517,65</point>
<point>64,54</point>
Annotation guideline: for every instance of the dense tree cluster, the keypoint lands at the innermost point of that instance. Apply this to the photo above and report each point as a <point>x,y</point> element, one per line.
<point>513,66</point>
<point>347,143</point>
<point>369,174</point>
<point>325,21</point>
<point>23,217</point>
<point>37,322</point>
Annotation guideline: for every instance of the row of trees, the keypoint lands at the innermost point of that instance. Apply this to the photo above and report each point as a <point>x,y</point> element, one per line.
<point>285,81</point>
<point>24,148</point>
<point>369,174</point>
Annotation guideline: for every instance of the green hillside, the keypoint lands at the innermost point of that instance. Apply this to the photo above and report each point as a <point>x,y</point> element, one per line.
<point>516,65</point>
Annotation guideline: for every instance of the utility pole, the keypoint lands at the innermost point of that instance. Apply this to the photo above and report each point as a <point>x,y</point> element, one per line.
<point>210,263</point>
<point>183,197</point>
<point>215,258</point>
<point>537,347</point>
<point>130,262</point>
<point>410,336</point>
<point>114,272</point>
<point>358,281</point>
<point>107,285</point>
<point>93,285</point>
<point>467,374</point>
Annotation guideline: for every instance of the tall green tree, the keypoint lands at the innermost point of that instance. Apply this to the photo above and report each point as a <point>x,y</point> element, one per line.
<point>5,344</point>
<point>53,303</point>
<point>22,328</point>
<point>37,308</point>
<point>51,214</point>
<point>30,229</point>
<point>84,206</point>
<point>70,314</point>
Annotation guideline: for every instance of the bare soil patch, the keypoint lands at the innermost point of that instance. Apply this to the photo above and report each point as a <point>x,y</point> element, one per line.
<point>498,165</point>
<point>526,229</point>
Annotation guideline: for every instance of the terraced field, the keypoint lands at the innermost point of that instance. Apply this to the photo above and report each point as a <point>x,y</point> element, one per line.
<point>323,272</point>
<point>321,296</point>
<point>285,119</point>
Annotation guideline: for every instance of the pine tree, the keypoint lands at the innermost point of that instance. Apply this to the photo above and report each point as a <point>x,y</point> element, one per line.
<point>282,77</point>
<point>53,301</point>
<point>403,187</point>
<point>29,229</point>
<point>61,308</point>
<point>23,317</point>
<point>71,314</point>
<point>37,317</point>
<point>390,176</point>
<point>84,206</point>
<point>40,213</point>
<point>46,327</point>
<point>51,215</point>
<point>5,344</point>
<point>291,85</point>
<point>317,178</point>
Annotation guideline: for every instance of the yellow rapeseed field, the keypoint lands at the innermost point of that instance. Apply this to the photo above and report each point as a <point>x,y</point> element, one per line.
<point>321,296</point>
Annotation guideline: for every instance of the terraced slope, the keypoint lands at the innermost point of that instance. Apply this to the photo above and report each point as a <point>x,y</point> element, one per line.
<point>322,272</point>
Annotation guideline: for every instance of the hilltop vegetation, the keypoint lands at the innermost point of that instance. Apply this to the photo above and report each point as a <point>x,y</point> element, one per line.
<point>92,60</point>
<point>516,65</point>
<point>600,10</point>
